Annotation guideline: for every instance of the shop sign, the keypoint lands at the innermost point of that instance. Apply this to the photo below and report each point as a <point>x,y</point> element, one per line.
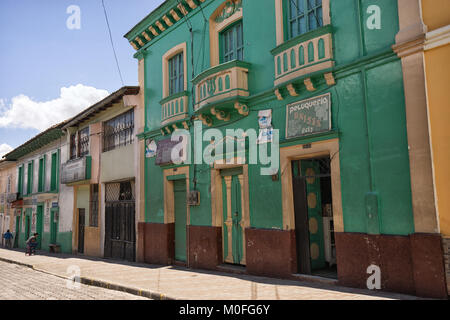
<point>308,116</point>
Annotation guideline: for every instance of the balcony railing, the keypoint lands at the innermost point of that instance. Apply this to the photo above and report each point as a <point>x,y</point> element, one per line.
<point>303,55</point>
<point>221,83</point>
<point>174,108</point>
<point>76,170</point>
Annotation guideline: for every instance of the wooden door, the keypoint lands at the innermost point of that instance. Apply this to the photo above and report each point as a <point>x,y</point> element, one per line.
<point>81,224</point>
<point>39,225</point>
<point>233,228</point>
<point>179,190</point>
<point>311,170</point>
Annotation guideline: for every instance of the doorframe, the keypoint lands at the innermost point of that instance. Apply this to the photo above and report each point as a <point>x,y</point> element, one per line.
<point>217,204</point>
<point>298,152</point>
<point>169,202</point>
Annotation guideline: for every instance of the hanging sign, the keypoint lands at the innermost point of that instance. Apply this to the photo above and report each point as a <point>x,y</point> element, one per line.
<point>308,116</point>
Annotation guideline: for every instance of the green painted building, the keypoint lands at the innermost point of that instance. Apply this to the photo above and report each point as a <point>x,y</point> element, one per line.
<point>42,204</point>
<point>316,86</point>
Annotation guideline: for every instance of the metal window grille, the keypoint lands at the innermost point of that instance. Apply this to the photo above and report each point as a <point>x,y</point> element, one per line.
<point>93,216</point>
<point>83,142</point>
<point>120,191</point>
<point>73,146</point>
<point>119,131</point>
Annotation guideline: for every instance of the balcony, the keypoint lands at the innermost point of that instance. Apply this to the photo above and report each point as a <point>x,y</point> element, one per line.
<point>221,88</point>
<point>76,170</point>
<point>174,108</point>
<point>303,55</point>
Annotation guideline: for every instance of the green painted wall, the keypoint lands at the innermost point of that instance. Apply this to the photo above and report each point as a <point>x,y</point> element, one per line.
<point>368,112</point>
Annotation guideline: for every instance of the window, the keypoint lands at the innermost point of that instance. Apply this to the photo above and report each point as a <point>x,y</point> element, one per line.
<point>176,74</point>
<point>93,216</point>
<point>83,142</point>
<point>303,16</point>
<point>73,146</point>
<point>20,181</point>
<point>8,186</point>
<point>54,178</point>
<point>119,131</point>
<point>41,179</point>
<point>30,177</point>
<point>232,41</point>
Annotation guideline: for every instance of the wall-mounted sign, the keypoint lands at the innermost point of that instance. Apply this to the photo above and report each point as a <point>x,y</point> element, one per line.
<point>150,148</point>
<point>308,116</point>
<point>76,170</point>
<point>164,151</point>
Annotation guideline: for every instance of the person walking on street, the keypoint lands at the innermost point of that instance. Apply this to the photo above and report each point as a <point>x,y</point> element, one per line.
<point>8,239</point>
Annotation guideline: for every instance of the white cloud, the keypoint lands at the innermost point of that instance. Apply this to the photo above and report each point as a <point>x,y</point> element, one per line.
<point>24,112</point>
<point>4,149</point>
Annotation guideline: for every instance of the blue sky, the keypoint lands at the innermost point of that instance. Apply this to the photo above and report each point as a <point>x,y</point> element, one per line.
<point>39,56</point>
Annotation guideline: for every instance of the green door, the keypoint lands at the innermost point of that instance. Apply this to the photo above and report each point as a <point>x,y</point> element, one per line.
<point>53,226</point>
<point>310,170</point>
<point>232,216</point>
<point>16,238</point>
<point>179,190</point>
<point>39,224</point>
<point>27,224</point>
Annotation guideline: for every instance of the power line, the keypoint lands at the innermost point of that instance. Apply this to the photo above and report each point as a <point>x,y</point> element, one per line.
<point>112,43</point>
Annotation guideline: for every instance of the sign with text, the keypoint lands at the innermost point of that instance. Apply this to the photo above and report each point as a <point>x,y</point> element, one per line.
<point>308,116</point>
<point>164,151</point>
<point>75,170</point>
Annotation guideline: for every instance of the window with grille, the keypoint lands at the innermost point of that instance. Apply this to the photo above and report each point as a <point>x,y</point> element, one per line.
<point>8,187</point>
<point>120,191</point>
<point>232,43</point>
<point>118,131</point>
<point>176,74</point>
<point>303,16</point>
<point>93,216</point>
<point>73,146</point>
<point>83,142</point>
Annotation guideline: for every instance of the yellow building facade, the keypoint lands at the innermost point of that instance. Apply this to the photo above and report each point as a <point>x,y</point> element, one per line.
<point>436,16</point>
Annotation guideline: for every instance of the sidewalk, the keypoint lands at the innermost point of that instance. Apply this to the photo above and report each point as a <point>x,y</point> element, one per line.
<point>169,282</point>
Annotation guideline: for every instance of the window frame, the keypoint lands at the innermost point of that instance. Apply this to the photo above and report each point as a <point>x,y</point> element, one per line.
<point>41,173</point>
<point>128,135</point>
<point>54,174</point>
<point>288,19</point>
<point>94,205</point>
<point>176,75</point>
<point>30,178</point>
<point>181,48</point>
<point>81,144</point>
<point>232,27</point>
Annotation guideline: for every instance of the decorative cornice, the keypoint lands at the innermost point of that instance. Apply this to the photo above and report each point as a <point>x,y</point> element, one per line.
<point>410,47</point>
<point>437,38</point>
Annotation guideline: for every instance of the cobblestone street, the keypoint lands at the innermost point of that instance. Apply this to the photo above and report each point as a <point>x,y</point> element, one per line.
<point>22,283</point>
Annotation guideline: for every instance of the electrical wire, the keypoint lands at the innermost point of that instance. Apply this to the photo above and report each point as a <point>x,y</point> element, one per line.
<point>112,42</point>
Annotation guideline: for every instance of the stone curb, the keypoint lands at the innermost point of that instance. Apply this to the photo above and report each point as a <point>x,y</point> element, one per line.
<point>99,283</point>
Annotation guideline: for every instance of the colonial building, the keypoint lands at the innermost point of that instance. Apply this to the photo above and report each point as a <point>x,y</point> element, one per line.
<point>424,49</point>
<point>101,171</point>
<point>318,88</point>
<point>42,203</point>
<point>7,196</point>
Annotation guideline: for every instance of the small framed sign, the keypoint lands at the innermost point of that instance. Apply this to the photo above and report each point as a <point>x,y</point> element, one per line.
<point>309,116</point>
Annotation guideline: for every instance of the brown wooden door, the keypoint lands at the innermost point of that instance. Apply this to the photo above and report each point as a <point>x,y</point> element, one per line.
<point>81,224</point>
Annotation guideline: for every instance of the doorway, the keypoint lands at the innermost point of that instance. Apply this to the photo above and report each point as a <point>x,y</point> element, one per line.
<point>53,225</point>
<point>179,192</point>
<point>120,229</point>
<point>316,253</point>
<point>16,238</point>
<point>39,224</point>
<point>81,224</point>
<point>27,224</point>
<point>233,231</point>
